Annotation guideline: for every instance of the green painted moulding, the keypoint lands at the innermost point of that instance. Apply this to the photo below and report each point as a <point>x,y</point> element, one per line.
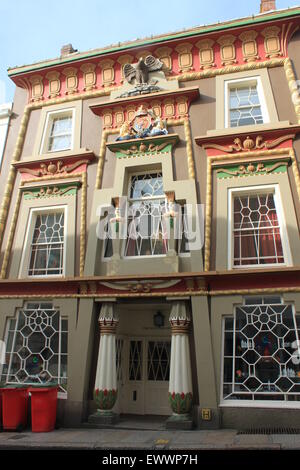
<point>51,190</point>
<point>146,146</point>
<point>241,170</point>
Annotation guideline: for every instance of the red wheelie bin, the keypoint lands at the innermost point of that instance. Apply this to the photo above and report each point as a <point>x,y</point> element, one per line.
<point>43,408</point>
<point>14,408</point>
<point>0,408</point>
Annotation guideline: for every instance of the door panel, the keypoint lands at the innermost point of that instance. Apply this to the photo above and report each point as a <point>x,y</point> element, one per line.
<point>146,368</point>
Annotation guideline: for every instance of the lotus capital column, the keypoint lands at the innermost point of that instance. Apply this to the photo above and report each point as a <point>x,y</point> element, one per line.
<point>180,385</point>
<point>105,391</point>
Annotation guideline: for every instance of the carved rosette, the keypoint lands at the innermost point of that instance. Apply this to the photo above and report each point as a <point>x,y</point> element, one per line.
<point>180,385</point>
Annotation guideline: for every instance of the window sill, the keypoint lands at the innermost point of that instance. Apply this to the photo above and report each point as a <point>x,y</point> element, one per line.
<point>248,129</point>
<point>260,404</point>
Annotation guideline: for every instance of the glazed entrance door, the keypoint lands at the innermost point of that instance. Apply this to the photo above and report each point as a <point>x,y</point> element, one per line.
<point>146,369</point>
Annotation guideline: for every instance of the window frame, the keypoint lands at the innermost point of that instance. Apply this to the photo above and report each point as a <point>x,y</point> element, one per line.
<point>25,259</point>
<point>62,392</point>
<point>132,200</point>
<point>263,189</point>
<point>239,82</point>
<point>230,403</point>
<point>51,115</point>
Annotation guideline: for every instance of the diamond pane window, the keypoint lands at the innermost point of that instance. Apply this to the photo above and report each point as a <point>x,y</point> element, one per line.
<point>60,137</point>
<point>261,352</point>
<point>244,106</point>
<point>135,360</point>
<point>47,247</point>
<point>37,348</point>
<point>159,360</point>
<point>146,232</point>
<point>256,231</point>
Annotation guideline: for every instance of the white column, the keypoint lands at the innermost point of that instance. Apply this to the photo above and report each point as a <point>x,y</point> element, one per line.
<point>105,391</point>
<point>180,385</point>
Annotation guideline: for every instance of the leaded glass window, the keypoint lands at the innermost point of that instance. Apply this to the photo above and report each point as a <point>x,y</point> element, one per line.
<point>261,351</point>
<point>146,233</point>
<point>244,106</point>
<point>60,137</point>
<point>159,353</point>
<point>256,231</point>
<point>47,247</point>
<point>36,346</point>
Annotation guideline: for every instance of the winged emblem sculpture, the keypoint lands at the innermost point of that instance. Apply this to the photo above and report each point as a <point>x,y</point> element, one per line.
<point>140,70</point>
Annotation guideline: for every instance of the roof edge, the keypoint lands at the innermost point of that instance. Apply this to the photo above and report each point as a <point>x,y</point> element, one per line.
<point>261,18</point>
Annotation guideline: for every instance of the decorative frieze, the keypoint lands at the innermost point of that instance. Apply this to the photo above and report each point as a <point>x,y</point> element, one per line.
<point>164,55</point>
<point>206,53</point>
<point>49,191</point>
<point>54,84</point>
<point>89,76</point>
<point>107,72</point>
<point>272,42</point>
<point>37,87</point>
<point>249,46</point>
<point>185,57</point>
<point>249,144</point>
<point>71,80</point>
<point>252,169</point>
<point>182,106</point>
<point>227,49</point>
<point>123,60</point>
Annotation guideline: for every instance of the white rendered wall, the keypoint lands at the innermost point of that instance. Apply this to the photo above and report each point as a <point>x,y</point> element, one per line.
<point>5,113</point>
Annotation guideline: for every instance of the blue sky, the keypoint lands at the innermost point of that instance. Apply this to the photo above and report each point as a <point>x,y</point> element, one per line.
<point>32,30</point>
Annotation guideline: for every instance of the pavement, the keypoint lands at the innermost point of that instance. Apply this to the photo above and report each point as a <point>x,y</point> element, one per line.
<point>150,436</point>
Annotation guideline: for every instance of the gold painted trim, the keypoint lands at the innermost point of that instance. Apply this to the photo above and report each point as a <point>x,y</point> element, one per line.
<point>271,290</point>
<point>11,234</point>
<point>185,77</point>
<point>83,223</point>
<point>255,155</point>
<point>291,78</point>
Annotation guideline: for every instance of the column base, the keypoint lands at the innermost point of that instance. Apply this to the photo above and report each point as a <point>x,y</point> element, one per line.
<point>182,422</point>
<point>104,418</point>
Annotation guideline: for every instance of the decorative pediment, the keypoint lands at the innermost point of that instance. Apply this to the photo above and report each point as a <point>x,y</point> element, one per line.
<point>53,168</point>
<point>146,146</point>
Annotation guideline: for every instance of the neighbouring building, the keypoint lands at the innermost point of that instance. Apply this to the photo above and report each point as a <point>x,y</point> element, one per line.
<point>149,225</point>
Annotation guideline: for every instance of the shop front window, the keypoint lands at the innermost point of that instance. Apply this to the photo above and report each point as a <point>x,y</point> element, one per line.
<point>36,347</point>
<point>261,351</point>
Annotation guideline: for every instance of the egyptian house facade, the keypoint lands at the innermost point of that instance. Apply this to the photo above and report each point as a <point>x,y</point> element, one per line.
<point>197,317</point>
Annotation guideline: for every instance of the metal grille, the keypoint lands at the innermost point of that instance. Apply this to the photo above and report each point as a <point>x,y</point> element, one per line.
<point>261,352</point>
<point>36,346</point>
<point>245,108</point>
<point>46,257</point>
<point>159,360</point>
<point>270,431</point>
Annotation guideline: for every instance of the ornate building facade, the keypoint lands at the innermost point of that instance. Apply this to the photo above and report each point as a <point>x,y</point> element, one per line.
<point>149,226</point>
